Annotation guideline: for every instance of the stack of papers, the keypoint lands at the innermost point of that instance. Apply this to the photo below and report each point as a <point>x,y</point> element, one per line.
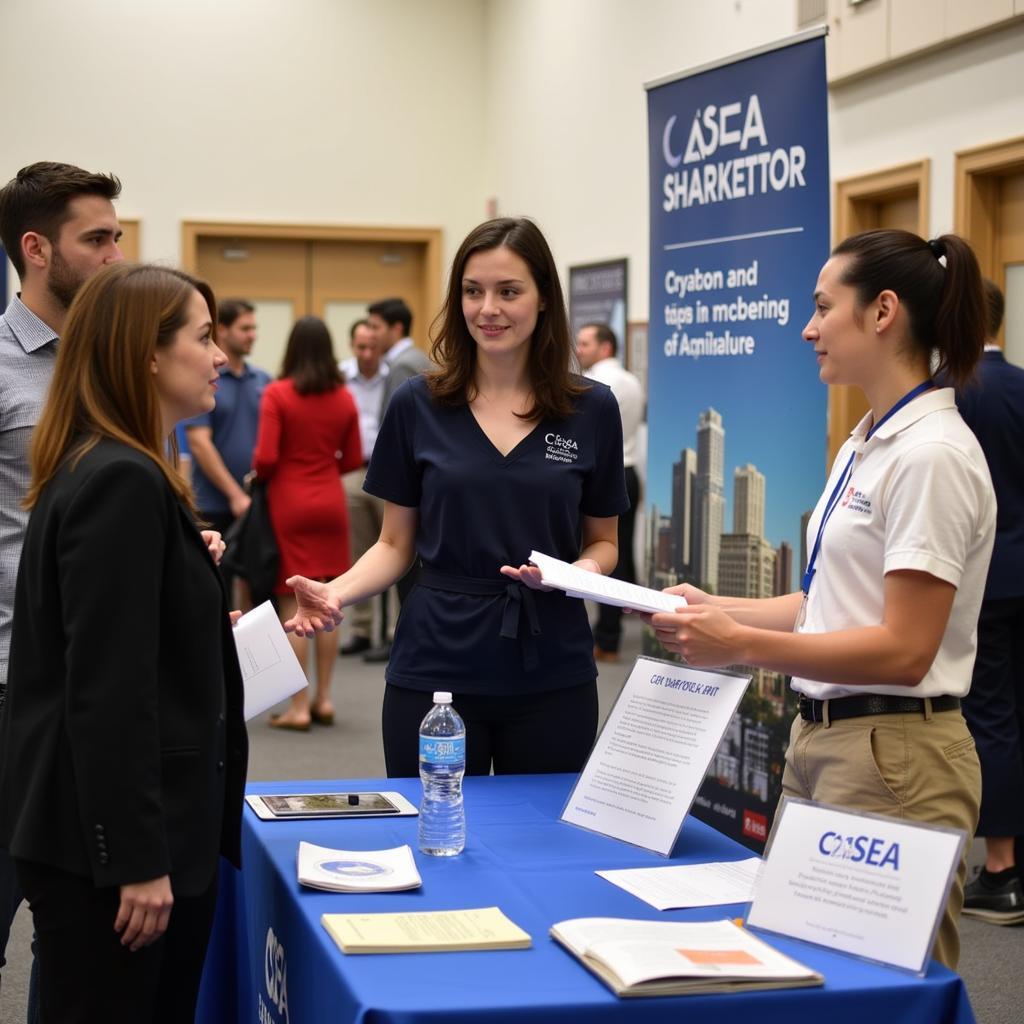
<point>578,582</point>
<point>425,931</point>
<point>690,885</point>
<point>664,958</point>
<point>357,870</point>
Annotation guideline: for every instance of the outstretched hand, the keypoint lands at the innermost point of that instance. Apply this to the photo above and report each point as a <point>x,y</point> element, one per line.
<point>704,636</point>
<point>528,575</point>
<point>319,608</point>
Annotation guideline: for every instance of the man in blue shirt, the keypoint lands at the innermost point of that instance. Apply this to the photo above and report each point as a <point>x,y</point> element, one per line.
<point>221,443</point>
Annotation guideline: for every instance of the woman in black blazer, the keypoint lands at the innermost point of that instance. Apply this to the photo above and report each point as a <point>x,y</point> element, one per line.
<point>122,743</point>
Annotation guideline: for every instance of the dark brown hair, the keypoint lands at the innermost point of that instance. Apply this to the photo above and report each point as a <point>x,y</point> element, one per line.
<point>604,335</point>
<point>995,307</point>
<point>309,358</point>
<point>229,310</point>
<point>551,348</point>
<point>944,300</point>
<point>102,382</point>
<point>37,198</point>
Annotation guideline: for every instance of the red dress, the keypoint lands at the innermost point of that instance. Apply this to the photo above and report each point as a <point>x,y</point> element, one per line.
<point>305,443</point>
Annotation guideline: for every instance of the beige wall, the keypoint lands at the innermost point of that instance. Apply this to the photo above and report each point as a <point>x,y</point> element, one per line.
<point>336,111</point>
<point>416,111</point>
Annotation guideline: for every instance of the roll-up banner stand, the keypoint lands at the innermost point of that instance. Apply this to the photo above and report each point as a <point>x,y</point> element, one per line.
<point>737,416</point>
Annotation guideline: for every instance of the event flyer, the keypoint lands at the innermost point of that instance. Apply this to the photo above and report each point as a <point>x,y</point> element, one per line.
<point>866,884</point>
<point>650,759</point>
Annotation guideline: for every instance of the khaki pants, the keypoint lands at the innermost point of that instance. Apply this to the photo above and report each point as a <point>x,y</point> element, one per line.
<point>922,767</point>
<point>365,518</point>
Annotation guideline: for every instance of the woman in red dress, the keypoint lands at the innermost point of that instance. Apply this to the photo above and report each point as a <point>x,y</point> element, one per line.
<point>308,437</point>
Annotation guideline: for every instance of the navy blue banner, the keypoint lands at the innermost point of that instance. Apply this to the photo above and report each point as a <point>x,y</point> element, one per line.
<point>739,188</point>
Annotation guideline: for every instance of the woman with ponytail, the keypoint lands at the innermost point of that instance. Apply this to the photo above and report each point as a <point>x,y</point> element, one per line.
<point>880,640</point>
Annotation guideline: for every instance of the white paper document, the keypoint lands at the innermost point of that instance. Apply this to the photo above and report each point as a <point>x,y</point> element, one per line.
<point>578,582</point>
<point>689,885</point>
<point>270,670</point>
<point>865,884</point>
<point>320,867</point>
<point>653,752</point>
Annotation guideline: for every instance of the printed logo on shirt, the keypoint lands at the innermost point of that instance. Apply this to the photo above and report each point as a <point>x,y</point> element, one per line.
<point>560,449</point>
<point>857,501</point>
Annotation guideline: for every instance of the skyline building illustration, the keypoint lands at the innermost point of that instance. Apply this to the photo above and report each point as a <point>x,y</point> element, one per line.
<point>709,498</point>
<point>684,476</point>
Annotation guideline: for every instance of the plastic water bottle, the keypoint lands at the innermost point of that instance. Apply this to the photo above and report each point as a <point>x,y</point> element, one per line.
<point>442,765</point>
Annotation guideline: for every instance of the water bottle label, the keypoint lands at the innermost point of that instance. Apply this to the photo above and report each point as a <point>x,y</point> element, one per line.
<point>437,750</point>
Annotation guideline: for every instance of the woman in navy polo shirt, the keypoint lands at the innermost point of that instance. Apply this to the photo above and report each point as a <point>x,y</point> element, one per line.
<point>501,451</point>
<point>880,643</point>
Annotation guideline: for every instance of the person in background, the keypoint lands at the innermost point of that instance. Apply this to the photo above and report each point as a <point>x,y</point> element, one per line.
<point>993,407</point>
<point>391,322</point>
<point>881,641</point>
<point>122,744</point>
<point>221,442</point>
<point>365,373</point>
<point>308,439</point>
<point>58,226</point>
<point>596,349</point>
<point>501,451</point>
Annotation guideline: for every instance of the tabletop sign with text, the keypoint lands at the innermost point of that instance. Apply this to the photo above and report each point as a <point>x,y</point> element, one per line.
<point>865,884</point>
<point>651,757</point>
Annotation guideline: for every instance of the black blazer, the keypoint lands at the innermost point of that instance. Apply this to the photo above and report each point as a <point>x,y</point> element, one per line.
<point>122,743</point>
<point>993,407</point>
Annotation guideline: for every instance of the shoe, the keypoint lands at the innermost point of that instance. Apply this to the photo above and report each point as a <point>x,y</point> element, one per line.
<point>1001,904</point>
<point>356,645</point>
<point>600,654</point>
<point>377,655</point>
<point>321,717</point>
<point>280,722</point>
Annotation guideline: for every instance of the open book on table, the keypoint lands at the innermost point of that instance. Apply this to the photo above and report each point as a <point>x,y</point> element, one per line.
<point>578,582</point>
<point>669,958</point>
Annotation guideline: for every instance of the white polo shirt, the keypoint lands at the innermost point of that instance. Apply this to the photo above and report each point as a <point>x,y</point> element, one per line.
<point>920,497</point>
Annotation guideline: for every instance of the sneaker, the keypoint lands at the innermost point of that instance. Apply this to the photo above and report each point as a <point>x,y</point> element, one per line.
<point>1003,904</point>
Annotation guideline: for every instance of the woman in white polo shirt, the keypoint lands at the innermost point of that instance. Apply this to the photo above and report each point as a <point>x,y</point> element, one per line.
<point>880,641</point>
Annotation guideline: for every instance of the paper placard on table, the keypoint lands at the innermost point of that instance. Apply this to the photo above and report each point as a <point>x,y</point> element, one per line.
<point>865,884</point>
<point>689,885</point>
<point>653,752</point>
<point>270,671</point>
<point>577,582</point>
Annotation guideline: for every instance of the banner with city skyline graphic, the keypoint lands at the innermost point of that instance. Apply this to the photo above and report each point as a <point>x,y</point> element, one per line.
<point>737,417</point>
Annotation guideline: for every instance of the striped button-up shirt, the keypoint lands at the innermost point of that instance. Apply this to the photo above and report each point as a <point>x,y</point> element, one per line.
<point>28,349</point>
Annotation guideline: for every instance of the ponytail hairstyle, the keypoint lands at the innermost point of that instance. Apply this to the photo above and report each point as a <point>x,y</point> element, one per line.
<point>102,385</point>
<point>937,282</point>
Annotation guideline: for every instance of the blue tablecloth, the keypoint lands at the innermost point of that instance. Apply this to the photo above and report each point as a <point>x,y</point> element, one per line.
<point>271,960</point>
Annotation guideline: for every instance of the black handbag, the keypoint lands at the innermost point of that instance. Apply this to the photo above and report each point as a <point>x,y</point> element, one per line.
<point>251,547</point>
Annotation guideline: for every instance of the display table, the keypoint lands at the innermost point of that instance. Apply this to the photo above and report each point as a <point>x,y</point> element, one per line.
<point>271,960</point>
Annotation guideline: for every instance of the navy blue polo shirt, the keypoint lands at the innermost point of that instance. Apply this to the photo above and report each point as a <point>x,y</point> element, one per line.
<point>479,510</point>
<point>234,422</point>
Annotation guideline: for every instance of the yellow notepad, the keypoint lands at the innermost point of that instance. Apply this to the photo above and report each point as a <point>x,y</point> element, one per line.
<point>425,931</point>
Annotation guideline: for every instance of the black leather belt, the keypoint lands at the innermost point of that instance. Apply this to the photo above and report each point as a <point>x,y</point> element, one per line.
<point>859,706</point>
<point>517,598</point>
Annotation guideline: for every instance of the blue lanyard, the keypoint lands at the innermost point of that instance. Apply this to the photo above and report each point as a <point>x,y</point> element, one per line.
<point>844,479</point>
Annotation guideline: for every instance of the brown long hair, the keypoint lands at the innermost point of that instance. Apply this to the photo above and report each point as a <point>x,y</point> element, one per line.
<point>551,348</point>
<point>102,382</point>
<point>945,302</point>
<point>309,358</point>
